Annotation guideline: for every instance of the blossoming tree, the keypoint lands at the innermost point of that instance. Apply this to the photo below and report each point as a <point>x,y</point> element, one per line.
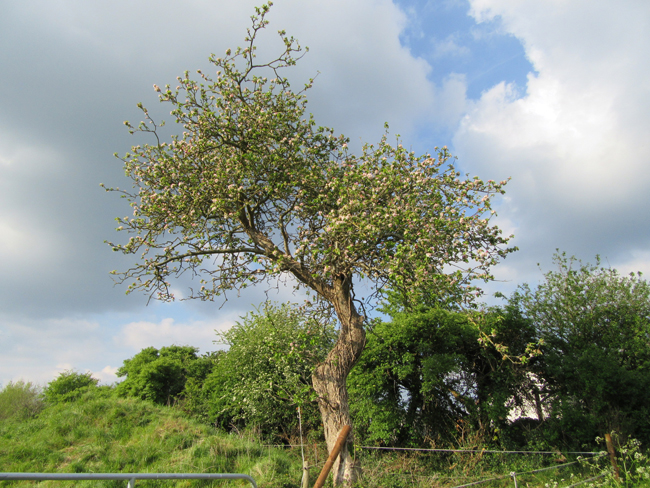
<point>253,189</point>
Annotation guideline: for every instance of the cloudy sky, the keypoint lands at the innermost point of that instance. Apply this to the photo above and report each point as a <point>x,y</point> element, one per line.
<point>555,94</point>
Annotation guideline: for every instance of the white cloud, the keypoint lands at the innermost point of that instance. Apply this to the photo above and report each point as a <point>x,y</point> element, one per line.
<point>201,334</point>
<point>575,143</point>
<point>450,101</point>
<point>38,350</point>
<point>107,375</point>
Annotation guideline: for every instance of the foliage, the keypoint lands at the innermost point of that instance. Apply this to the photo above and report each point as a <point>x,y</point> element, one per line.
<point>427,376</point>
<point>266,372</point>
<point>632,462</point>
<point>161,375</point>
<point>409,384</point>
<point>505,387</point>
<point>21,400</point>
<point>102,433</point>
<point>253,189</point>
<point>69,386</point>
<point>594,325</point>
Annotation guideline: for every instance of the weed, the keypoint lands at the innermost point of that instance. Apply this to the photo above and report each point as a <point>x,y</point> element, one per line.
<point>633,466</point>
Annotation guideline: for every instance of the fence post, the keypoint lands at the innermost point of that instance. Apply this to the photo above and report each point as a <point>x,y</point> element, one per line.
<point>305,474</point>
<point>131,483</point>
<point>340,442</point>
<point>513,475</point>
<point>612,456</point>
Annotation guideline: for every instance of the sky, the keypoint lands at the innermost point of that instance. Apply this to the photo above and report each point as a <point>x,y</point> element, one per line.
<point>553,94</point>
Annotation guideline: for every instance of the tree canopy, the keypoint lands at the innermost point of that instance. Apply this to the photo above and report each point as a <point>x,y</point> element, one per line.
<point>253,188</point>
<point>68,386</point>
<point>426,374</point>
<point>162,375</point>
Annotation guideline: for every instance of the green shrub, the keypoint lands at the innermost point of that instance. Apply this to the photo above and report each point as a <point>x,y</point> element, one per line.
<point>20,400</point>
<point>69,386</point>
<point>162,375</point>
<point>266,372</point>
<point>593,326</point>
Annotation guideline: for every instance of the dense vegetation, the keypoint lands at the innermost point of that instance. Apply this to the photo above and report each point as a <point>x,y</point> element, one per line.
<point>594,374</point>
<point>254,190</point>
<point>553,369</point>
<point>557,366</point>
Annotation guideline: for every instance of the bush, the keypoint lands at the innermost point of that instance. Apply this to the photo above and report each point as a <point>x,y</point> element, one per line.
<point>162,375</point>
<point>266,373</point>
<point>426,376</point>
<point>593,325</point>
<point>20,400</point>
<point>69,386</point>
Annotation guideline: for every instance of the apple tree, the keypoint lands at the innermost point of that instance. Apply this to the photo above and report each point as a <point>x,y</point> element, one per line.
<point>253,189</point>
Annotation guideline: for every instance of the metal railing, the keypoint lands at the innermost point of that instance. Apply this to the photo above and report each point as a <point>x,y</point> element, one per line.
<point>130,477</point>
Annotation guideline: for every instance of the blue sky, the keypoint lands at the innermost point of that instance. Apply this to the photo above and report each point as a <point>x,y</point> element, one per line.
<point>451,41</point>
<point>554,94</point>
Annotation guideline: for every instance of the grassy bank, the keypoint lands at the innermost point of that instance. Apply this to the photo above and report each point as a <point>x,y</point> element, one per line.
<point>99,433</point>
<point>102,434</point>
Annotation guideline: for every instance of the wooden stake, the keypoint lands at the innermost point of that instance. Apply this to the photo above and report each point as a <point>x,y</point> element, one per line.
<point>340,442</point>
<point>612,456</point>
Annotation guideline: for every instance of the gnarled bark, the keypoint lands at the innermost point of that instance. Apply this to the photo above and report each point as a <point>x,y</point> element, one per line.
<point>330,376</point>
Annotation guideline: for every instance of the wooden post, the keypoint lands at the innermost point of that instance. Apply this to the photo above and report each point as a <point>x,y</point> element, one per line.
<point>340,442</point>
<point>305,474</point>
<point>612,456</point>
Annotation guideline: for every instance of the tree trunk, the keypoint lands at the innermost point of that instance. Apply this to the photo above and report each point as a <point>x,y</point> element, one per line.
<point>330,376</point>
<point>538,404</point>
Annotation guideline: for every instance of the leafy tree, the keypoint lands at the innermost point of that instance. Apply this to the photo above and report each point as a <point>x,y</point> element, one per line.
<point>595,328</point>
<point>161,375</point>
<point>428,371</point>
<point>69,386</point>
<point>266,372</point>
<point>410,382</point>
<point>501,371</point>
<point>253,190</point>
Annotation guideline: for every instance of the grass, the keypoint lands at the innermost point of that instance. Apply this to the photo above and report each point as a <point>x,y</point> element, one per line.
<point>398,470</point>
<point>103,434</point>
<point>100,433</point>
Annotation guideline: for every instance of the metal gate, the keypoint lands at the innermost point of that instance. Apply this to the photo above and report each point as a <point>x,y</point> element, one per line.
<point>129,477</point>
